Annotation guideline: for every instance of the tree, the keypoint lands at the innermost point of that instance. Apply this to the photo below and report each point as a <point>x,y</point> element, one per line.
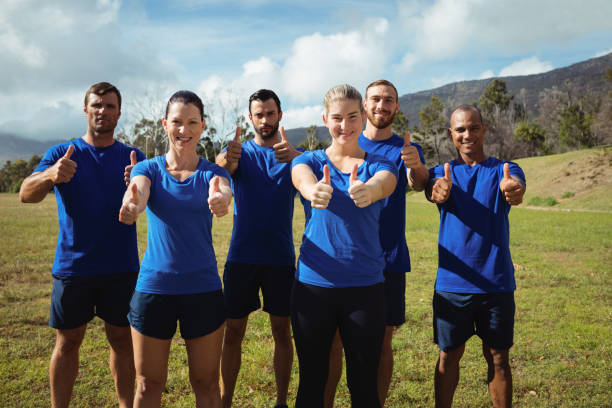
<point>575,128</point>
<point>312,141</point>
<point>500,117</point>
<point>400,123</point>
<point>533,135</point>
<point>12,174</point>
<point>433,129</point>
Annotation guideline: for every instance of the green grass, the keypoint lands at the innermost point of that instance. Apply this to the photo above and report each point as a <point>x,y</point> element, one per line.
<point>563,336</point>
<point>538,201</point>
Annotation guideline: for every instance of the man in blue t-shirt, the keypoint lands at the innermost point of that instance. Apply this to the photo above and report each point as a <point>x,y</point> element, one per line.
<point>474,291</point>
<point>381,104</point>
<point>261,253</point>
<point>96,261</point>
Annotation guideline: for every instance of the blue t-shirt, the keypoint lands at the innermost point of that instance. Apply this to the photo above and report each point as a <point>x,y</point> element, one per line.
<point>393,216</point>
<point>263,209</point>
<point>180,258</point>
<point>341,245</point>
<point>474,237</point>
<point>91,239</point>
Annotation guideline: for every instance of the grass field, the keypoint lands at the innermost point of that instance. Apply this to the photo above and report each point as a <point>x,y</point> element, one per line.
<point>563,338</point>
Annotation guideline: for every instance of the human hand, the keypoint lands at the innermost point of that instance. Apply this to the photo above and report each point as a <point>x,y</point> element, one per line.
<point>128,168</point>
<point>129,210</point>
<point>283,151</point>
<point>234,148</point>
<point>322,191</point>
<point>63,170</point>
<point>442,187</point>
<point>513,190</point>
<point>217,202</point>
<point>360,192</point>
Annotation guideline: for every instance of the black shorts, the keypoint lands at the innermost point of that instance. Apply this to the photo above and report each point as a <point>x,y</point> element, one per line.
<point>457,316</point>
<point>395,298</point>
<point>198,314</point>
<point>241,284</point>
<point>76,300</point>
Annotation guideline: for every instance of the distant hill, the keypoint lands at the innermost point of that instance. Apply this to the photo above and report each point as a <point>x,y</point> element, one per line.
<point>15,147</point>
<point>586,75</point>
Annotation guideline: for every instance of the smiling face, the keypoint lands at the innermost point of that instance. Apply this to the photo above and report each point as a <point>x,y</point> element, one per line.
<point>265,117</point>
<point>467,132</point>
<point>344,119</point>
<point>184,126</point>
<point>381,105</point>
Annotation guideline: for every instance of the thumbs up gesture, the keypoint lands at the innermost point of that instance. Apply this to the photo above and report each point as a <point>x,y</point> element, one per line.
<point>128,214</point>
<point>410,154</point>
<point>322,191</point>
<point>63,170</point>
<point>513,190</point>
<point>234,148</point>
<point>128,168</point>
<point>283,150</point>
<point>218,202</point>
<point>359,191</point>
<point>442,187</point>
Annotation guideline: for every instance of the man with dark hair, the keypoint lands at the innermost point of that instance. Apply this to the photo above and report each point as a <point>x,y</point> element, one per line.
<point>261,253</point>
<point>381,105</point>
<point>96,262</point>
<point>474,291</point>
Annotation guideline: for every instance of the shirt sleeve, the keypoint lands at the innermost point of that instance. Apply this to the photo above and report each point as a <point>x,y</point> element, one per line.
<point>51,156</point>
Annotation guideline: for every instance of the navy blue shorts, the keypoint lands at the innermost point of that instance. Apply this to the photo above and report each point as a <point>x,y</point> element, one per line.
<point>241,284</point>
<point>395,298</point>
<point>76,300</point>
<point>198,314</point>
<point>457,316</point>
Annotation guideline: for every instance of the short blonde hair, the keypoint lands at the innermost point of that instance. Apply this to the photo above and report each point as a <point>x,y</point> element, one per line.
<point>342,92</point>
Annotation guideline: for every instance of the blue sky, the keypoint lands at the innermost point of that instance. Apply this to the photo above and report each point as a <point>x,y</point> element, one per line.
<point>50,52</point>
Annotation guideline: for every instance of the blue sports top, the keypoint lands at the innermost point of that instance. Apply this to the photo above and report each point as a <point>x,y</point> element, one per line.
<point>91,239</point>
<point>474,237</point>
<point>341,245</point>
<point>180,258</point>
<point>393,216</point>
<point>263,209</point>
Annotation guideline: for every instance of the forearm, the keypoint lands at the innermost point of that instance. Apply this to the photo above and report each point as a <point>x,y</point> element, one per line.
<point>35,187</point>
<point>429,189</point>
<point>381,185</point>
<point>418,178</point>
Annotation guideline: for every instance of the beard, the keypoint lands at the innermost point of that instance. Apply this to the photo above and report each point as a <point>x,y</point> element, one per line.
<point>267,134</point>
<point>380,123</point>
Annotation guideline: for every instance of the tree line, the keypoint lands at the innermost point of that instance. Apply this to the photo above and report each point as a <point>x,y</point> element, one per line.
<point>567,119</point>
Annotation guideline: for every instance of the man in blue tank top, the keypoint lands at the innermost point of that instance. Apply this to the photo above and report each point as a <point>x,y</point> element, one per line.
<point>96,262</point>
<point>474,291</point>
<point>261,253</point>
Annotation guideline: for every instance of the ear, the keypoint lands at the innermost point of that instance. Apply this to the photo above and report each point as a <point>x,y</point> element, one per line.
<point>164,124</point>
<point>450,135</point>
<point>250,117</point>
<point>280,115</point>
<point>324,120</point>
<point>203,124</point>
<point>85,109</point>
<point>365,105</point>
<point>397,106</point>
<point>484,128</point>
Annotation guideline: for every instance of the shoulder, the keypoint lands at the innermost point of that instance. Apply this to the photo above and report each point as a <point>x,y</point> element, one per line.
<point>212,169</point>
<point>376,163</point>
<point>129,149</point>
<point>309,158</point>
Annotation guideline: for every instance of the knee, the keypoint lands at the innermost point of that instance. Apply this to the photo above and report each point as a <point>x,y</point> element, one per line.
<point>450,359</point>
<point>149,386</point>
<point>499,361</point>
<point>281,335</point>
<point>67,344</point>
<point>204,385</point>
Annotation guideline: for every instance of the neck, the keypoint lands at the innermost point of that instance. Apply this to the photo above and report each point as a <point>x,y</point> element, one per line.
<point>472,159</point>
<point>269,142</point>
<point>182,160</point>
<point>99,139</point>
<point>374,133</point>
<point>338,150</point>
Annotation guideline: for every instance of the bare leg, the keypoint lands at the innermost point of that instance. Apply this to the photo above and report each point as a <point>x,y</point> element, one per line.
<point>283,355</point>
<point>121,363</point>
<point>204,355</point>
<point>230,358</point>
<point>64,365</point>
<point>335,371</point>
<point>151,362</point>
<point>385,369</point>
<point>499,376</point>
<point>447,376</point>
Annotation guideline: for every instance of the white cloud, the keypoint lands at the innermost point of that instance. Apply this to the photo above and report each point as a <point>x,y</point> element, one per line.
<point>303,117</point>
<point>486,74</point>
<point>526,66</point>
<point>604,52</point>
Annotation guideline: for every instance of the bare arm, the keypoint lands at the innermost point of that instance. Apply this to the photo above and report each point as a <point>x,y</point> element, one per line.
<point>379,186</point>
<point>135,199</point>
<point>418,177</point>
<point>37,185</point>
<point>318,192</point>
<point>230,158</point>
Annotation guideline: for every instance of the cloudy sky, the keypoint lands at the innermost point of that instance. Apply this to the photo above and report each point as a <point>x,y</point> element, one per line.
<point>50,52</point>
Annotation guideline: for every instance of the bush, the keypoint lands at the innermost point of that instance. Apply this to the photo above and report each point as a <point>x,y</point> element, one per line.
<point>567,194</point>
<point>543,202</point>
